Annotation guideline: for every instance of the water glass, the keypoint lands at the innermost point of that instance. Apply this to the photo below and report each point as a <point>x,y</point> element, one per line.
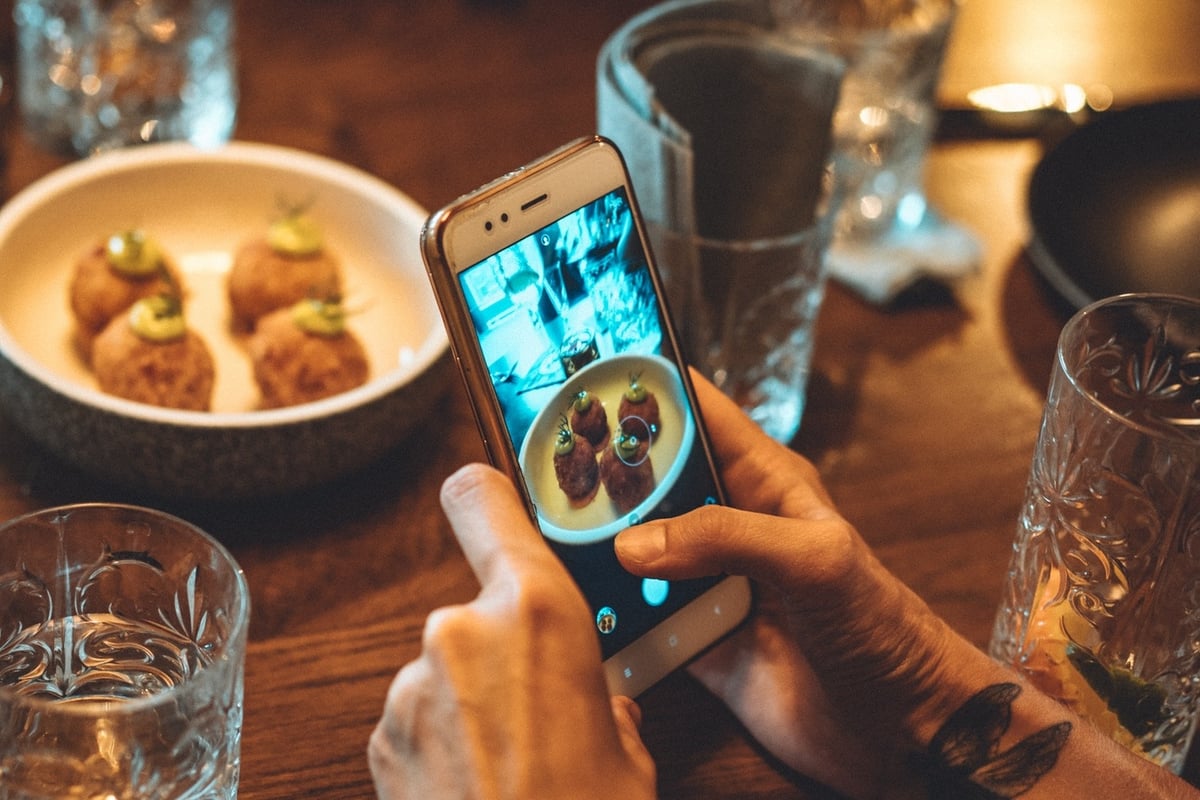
<point>122,642</point>
<point>98,74</point>
<point>1101,607</point>
<point>762,297</point>
<point>885,118</point>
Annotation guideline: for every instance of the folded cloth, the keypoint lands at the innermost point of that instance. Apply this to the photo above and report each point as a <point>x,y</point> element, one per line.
<point>725,126</point>
<point>935,249</point>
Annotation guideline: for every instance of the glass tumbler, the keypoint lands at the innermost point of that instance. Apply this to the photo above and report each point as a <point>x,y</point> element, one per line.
<point>763,297</point>
<point>93,75</point>
<point>1101,607</point>
<point>122,642</point>
<point>885,119</point>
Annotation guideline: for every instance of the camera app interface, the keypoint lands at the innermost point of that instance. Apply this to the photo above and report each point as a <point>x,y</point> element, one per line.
<point>569,326</point>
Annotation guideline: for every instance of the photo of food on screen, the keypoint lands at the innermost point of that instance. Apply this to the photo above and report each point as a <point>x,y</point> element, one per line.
<point>570,329</point>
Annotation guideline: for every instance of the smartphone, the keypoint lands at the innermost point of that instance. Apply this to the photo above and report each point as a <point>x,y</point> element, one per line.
<point>556,319</point>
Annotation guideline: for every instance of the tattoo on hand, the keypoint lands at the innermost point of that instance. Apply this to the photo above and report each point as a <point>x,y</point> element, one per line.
<point>964,761</point>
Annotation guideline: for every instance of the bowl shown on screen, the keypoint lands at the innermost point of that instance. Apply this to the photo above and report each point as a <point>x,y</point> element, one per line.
<point>607,379</point>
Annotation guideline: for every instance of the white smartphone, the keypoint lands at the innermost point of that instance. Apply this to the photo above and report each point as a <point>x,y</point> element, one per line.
<point>555,314</point>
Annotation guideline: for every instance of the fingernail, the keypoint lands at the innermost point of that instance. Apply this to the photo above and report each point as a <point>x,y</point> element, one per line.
<point>642,545</point>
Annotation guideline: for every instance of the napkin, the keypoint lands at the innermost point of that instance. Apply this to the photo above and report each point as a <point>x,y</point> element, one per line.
<point>724,125</point>
<point>935,249</point>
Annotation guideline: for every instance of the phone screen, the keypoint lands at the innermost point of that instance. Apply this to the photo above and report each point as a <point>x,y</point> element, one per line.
<point>570,325</point>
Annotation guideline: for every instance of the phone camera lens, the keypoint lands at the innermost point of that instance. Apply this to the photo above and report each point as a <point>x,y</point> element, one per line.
<point>487,226</point>
<point>504,217</point>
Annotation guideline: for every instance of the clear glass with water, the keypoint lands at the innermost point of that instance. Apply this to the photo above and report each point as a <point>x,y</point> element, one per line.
<point>886,115</point>
<point>97,74</point>
<point>122,641</point>
<point>1101,607</point>
<point>763,297</point>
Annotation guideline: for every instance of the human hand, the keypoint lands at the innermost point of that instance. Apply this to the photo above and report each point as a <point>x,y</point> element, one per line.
<point>842,668</point>
<point>507,698</point>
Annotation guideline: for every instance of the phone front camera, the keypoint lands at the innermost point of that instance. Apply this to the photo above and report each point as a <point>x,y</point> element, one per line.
<point>504,217</point>
<point>487,226</point>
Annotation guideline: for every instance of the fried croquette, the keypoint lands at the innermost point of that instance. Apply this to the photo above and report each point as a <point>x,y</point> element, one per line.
<point>639,404</point>
<point>173,374</point>
<point>589,419</point>
<point>99,292</point>
<point>293,365</point>
<point>626,471</point>
<point>263,279</point>
<point>575,468</point>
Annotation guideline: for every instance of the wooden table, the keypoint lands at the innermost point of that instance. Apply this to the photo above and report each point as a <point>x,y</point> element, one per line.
<point>921,416</point>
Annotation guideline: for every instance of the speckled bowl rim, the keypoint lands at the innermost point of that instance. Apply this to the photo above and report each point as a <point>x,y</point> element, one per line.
<point>140,158</point>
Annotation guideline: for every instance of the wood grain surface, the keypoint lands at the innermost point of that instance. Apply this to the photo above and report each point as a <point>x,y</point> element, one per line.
<point>921,415</point>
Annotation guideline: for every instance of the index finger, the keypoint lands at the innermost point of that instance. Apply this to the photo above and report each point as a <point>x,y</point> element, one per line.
<point>732,432</point>
<point>761,474</point>
<point>492,525</point>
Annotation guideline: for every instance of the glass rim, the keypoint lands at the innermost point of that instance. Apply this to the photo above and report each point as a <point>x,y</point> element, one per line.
<point>819,230</point>
<point>238,631</point>
<point>927,19</point>
<point>1168,431</point>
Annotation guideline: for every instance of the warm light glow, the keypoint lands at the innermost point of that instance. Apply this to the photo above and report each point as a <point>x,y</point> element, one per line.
<point>1099,97</point>
<point>873,116</point>
<point>91,84</point>
<point>62,76</point>
<point>1013,97</point>
<point>1074,98</point>
<point>1020,98</point>
<point>870,207</point>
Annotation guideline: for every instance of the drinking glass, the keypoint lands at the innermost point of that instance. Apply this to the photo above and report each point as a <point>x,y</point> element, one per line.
<point>762,298</point>
<point>884,121</point>
<point>122,641</point>
<point>97,74</point>
<point>1101,607</point>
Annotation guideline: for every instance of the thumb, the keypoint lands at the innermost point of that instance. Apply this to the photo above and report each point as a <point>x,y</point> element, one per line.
<point>628,717</point>
<point>786,553</point>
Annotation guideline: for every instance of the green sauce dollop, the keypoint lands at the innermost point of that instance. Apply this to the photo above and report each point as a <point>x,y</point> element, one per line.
<point>627,445</point>
<point>133,253</point>
<point>158,319</point>
<point>295,235</point>
<point>320,317</point>
<point>636,393</point>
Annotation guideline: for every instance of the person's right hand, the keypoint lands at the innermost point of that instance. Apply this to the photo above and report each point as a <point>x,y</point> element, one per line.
<point>840,658</point>
<point>844,673</point>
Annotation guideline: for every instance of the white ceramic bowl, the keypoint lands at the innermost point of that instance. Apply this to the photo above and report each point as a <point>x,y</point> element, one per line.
<point>201,204</point>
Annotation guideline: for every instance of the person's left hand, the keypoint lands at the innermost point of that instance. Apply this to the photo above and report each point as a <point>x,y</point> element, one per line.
<point>507,698</point>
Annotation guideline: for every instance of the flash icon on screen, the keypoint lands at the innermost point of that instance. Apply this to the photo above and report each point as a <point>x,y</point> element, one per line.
<point>606,620</point>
